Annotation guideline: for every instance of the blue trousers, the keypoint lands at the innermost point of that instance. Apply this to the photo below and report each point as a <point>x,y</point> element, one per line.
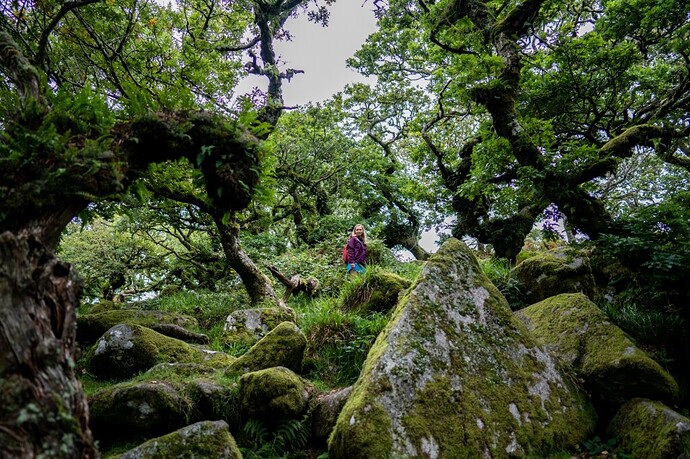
<point>358,268</point>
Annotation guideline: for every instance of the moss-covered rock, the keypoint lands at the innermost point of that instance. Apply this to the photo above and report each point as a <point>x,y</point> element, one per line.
<point>92,326</point>
<point>648,430</point>
<point>181,333</point>
<point>273,395</point>
<point>377,291</point>
<point>455,374</point>
<point>218,360</point>
<point>247,326</point>
<point>283,346</point>
<point>551,273</point>
<point>215,400</point>
<point>126,350</point>
<point>139,411</point>
<point>613,368</point>
<point>202,440</point>
<point>212,394</point>
<point>324,413</point>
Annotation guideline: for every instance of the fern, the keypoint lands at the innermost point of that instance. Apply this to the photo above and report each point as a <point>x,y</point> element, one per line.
<point>258,441</point>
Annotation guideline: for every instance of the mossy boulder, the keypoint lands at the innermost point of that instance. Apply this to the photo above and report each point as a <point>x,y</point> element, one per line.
<point>649,429</point>
<point>126,350</point>
<point>551,273</point>
<point>181,333</point>
<point>283,346</point>
<point>273,395</point>
<point>455,374</point>
<point>207,389</point>
<point>377,291</point>
<point>324,412</point>
<point>216,400</point>
<point>139,410</point>
<point>202,440</point>
<point>613,367</point>
<point>92,326</point>
<point>218,360</point>
<point>247,326</point>
<point>178,370</point>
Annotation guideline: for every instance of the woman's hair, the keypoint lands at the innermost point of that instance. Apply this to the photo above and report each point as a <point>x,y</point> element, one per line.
<point>364,232</point>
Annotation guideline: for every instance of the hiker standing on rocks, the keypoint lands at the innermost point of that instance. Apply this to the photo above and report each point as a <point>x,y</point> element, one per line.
<point>357,250</point>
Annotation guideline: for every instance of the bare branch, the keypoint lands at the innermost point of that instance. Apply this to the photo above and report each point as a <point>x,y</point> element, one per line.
<point>42,53</point>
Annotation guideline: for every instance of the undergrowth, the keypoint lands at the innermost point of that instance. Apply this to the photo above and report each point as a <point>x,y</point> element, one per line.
<point>256,440</point>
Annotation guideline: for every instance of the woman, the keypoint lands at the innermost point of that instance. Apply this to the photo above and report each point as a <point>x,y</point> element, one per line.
<point>357,250</point>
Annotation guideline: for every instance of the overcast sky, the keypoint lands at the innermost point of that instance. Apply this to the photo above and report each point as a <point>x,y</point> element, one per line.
<point>321,53</point>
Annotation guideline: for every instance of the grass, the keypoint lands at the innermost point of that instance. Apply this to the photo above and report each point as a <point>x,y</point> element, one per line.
<point>337,342</point>
<point>499,272</point>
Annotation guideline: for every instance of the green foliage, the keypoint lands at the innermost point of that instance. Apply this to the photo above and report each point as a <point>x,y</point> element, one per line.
<point>655,325</point>
<point>499,272</point>
<point>111,260</point>
<point>209,308</point>
<point>598,447</point>
<point>337,342</point>
<point>258,441</point>
<point>653,242</point>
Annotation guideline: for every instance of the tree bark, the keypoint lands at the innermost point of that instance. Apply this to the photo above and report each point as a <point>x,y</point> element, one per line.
<point>257,284</point>
<point>43,410</point>
<point>295,285</point>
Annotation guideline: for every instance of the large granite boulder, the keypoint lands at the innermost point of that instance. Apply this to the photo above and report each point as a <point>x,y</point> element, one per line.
<point>455,374</point>
<point>247,326</point>
<point>283,346</point>
<point>377,291</point>
<point>613,368</point>
<point>202,440</point>
<point>92,326</point>
<point>273,395</point>
<point>650,430</point>
<point>206,386</point>
<point>324,413</point>
<point>126,350</point>
<point>139,410</point>
<point>551,273</point>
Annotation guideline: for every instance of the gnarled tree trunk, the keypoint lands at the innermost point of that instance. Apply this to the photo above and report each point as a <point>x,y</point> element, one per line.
<point>43,411</point>
<point>257,284</point>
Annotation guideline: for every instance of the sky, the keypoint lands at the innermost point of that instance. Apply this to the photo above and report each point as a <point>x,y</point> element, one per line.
<point>321,52</point>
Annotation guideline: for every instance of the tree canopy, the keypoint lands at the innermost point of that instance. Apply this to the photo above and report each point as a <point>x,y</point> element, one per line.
<point>493,115</point>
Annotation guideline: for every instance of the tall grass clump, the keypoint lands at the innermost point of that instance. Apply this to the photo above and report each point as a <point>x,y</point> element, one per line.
<point>659,329</point>
<point>499,272</point>
<point>337,342</point>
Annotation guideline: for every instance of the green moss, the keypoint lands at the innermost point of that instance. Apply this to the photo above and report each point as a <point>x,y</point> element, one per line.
<point>375,291</point>
<point>203,439</point>
<point>648,428</point>
<point>353,442</point>
<point>525,254</point>
<point>219,360</point>
<point>550,273</point>
<point>454,374</point>
<point>247,326</point>
<point>143,348</point>
<point>92,326</point>
<point>283,346</point>
<point>601,353</point>
<point>138,410</point>
<point>273,394</point>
